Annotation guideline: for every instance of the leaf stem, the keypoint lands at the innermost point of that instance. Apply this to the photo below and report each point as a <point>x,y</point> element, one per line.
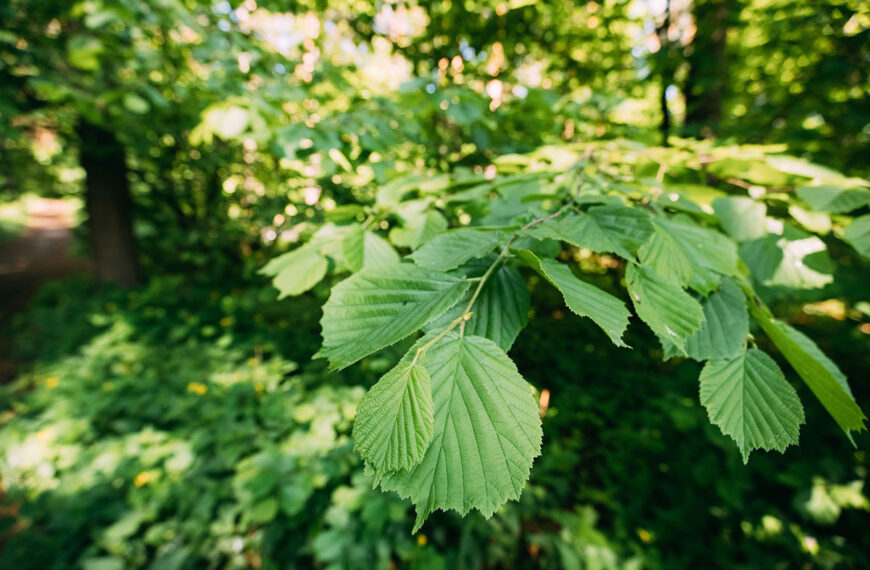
<point>422,350</point>
<point>481,281</point>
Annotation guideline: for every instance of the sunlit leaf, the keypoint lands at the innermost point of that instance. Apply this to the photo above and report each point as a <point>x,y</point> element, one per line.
<point>393,425</point>
<point>297,271</point>
<point>451,249</point>
<point>379,306</point>
<point>486,435</point>
<point>742,218</point>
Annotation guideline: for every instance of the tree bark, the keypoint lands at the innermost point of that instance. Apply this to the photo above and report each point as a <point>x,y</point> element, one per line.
<point>109,206</point>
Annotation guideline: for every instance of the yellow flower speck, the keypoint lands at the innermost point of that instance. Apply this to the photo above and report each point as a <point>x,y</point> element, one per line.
<point>142,478</point>
<point>52,382</point>
<point>422,540</point>
<point>197,388</point>
<point>644,534</point>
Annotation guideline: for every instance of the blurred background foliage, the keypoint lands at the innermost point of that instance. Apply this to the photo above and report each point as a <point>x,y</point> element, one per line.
<point>167,415</point>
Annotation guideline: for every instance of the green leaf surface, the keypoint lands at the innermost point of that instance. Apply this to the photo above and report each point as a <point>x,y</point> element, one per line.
<point>394,420</point>
<point>742,217</point>
<point>689,254</point>
<point>297,271</point>
<point>362,248</point>
<point>669,311</point>
<point>794,260</point>
<point>500,311</point>
<point>486,436</point>
<point>834,199</point>
<point>377,307</point>
<point>451,249</point>
<point>751,401</point>
<point>819,374</point>
<point>418,228</point>
<point>611,229</point>
<point>582,298</point>
<point>858,234</point>
<point>725,327</point>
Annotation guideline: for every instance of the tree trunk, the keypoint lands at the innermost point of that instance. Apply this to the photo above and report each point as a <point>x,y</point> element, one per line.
<point>707,55</point>
<point>109,206</point>
<point>666,71</point>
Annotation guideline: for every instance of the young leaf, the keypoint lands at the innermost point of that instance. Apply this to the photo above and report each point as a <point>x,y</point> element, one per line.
<point>500,311</point>
<point>297,271</point>
<point>393,425</point>
<point>858,234</point>
<point>820,374</point>
<point>669,311</point>
<point>362,248</point>
<point>613,229</point>
<point>486,436</point>
<point>834,199</point>
<point>751,401</point>
<point>451,249</point>
<point>742,217</point>
<point>379,306</point>
<point>584,299</point>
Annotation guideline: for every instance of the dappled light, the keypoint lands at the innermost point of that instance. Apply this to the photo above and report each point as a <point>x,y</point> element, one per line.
<point>433,284</point>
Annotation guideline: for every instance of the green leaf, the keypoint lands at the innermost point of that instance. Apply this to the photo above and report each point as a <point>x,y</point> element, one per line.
<point>362,248</point>
<point>613,229</point>
<point>486,436</point>
<point>751,401</point>
<point>726,325</point>
<point>689,254</point>
<point>792,165</point>
<point>811,348</point>
<point>418,228</point>
<point>582,298</point>
<point>742,218</point>
<point>393,425</point>
<point>817,222</point>
<point>834,199</point>
<point>451,249</point>
<point>379,306</point>
<point>663,254</point>
<point>858,234</point>
<point>297,271</point>
<point>820,374</point>
<point>500,311</point>
<point>794,260</point>
<point>669,311</point>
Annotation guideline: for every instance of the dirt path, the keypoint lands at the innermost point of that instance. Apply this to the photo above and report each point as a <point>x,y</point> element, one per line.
<point>40,253</point>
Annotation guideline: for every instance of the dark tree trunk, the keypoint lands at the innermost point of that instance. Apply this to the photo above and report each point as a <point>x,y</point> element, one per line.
<point>667,72</point>
<point>707,56</point>
<point>109,206</point>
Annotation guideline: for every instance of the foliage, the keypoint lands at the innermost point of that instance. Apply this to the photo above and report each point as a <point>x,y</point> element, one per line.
<point>681,274</point>
<point>441,180</point>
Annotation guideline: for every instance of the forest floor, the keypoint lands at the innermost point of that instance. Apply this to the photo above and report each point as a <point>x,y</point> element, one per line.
<point>41,252</point>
